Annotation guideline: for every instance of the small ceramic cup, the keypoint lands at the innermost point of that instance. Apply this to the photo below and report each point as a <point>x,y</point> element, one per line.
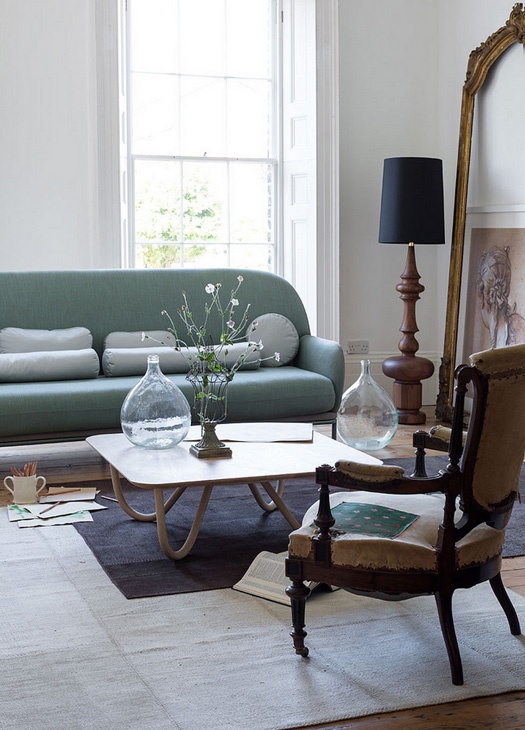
<point>25,490</point>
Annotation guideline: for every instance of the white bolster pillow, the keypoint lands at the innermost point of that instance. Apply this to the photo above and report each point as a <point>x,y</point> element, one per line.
<point>128,340</point>
<point>22,367</point>
<point>121,361</point>
<point>16,339</point>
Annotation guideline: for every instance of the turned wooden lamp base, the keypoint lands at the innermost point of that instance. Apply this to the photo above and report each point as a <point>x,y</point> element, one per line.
<point>408,371</point>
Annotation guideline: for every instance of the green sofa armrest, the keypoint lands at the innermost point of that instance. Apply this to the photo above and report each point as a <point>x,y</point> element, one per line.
<point>324,357</point>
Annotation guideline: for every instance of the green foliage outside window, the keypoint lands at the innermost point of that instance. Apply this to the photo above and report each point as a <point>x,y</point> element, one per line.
<point>158,210</point>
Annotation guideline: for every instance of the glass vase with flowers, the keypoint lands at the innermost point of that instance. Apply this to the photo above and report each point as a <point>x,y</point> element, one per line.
<point>212,365</point>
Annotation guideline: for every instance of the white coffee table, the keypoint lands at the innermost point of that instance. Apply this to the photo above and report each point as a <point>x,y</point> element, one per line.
<point>252,463</point>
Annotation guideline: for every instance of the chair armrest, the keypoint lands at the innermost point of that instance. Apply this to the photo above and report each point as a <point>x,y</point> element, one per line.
<point>437,439</point>
<point>384,478</point>
<point>324,357</point>
<point>377,473</point>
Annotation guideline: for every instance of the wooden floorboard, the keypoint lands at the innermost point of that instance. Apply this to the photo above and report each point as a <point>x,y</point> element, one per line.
<point>77,461</point>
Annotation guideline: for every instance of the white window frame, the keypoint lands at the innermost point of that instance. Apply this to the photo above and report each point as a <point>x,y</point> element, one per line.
<point>318,282</point>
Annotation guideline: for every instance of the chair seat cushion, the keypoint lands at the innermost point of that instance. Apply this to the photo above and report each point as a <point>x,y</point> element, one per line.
<point>413,549</point>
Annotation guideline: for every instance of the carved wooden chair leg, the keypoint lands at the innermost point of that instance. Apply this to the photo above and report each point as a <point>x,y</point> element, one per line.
<point>298,593</point>
<point>505,602</point>
<point>446,620</point>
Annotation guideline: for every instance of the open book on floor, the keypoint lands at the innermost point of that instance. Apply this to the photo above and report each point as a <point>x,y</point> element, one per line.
<point>265,578</point>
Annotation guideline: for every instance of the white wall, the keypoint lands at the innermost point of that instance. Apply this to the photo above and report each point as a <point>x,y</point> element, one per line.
<point>389,105</point>
<point>48,135</point>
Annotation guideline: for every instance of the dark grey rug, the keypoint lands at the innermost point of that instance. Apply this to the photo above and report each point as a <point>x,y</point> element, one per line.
<point>233,532</point>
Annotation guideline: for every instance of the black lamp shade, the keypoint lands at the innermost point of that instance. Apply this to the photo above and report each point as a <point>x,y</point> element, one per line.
<point>412,209</point>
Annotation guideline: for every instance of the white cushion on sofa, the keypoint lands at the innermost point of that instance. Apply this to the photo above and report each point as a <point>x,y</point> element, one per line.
<point>16,339</point>
<point>229,354</point>
<point>135,339</point>
<point>120,361</point>
<point>277,334</point>
<point>22,367</point>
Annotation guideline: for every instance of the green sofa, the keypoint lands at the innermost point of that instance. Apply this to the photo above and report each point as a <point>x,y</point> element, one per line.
<point>104,301</point>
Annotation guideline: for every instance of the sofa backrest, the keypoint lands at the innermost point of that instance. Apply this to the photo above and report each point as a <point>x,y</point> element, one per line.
<point>111,300</point>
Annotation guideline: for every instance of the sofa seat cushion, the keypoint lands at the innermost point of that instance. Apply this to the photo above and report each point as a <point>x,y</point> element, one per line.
<point>279,393</point>
<point>413,549</point>
<point>78,405</point>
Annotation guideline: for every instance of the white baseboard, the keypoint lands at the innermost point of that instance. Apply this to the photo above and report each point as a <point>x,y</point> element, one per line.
<point>353,369</point>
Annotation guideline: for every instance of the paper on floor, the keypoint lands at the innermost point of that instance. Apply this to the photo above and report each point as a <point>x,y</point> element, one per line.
<point>68,494</point>
<point>84,516</point>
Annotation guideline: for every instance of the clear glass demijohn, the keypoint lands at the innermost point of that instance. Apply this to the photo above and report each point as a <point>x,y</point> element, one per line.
<point>155,413</point>
<point>367,418</point>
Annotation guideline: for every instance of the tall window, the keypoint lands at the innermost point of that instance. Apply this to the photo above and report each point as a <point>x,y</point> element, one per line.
<point>227,152</point>
<point>202,144</point>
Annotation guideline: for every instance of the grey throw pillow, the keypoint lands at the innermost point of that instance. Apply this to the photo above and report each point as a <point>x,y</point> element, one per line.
<point>278,335</point>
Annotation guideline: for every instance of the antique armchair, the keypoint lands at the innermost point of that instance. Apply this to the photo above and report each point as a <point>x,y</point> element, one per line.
<point>456,539</point>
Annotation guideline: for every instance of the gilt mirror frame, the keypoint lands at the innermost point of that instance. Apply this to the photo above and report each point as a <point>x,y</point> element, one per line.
<point>479,64</point>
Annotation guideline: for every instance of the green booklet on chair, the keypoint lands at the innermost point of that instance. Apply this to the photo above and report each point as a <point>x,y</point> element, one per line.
<point>371,519</point>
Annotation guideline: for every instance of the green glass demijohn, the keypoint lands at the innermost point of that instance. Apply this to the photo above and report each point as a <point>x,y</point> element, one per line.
<point>367,418</point>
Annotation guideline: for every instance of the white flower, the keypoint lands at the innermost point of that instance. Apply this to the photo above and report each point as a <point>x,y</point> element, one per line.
<point>209,289</point>
<point>277,356</point>
<point>235,302</point>
<point>240,278</point>
<point>230,324</point>
<point>260,345</point>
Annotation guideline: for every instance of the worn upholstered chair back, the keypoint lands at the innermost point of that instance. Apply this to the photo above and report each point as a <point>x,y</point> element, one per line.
<point>495,445</point>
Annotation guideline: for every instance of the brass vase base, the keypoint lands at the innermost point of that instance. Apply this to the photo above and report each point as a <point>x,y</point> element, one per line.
<point>209,447</point>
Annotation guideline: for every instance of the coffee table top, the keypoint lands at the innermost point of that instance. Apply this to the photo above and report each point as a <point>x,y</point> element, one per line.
<point>251,461</point>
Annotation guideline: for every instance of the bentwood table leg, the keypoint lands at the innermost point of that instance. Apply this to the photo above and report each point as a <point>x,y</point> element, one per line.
<point>263,504</point>
<point>128,509</point>
<point>277,501</point>
<point>194,530</point>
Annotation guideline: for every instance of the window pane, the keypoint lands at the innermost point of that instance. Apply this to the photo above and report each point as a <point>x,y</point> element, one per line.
<point>154,43</point>
<point>203,117</point>
<point>202,95</point>
<point>251,199</point>
<point>202,29</point>
<point>157,256</point>
<point>155,114</point>
<point>252,257</point>
<point>157,201</point>
<point>248,38</point>
<point>248,118</point>
<point>208,256</point>
<point>205,201</point>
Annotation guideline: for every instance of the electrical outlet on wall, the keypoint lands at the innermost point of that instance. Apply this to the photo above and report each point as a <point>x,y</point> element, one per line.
<point>357,347</point>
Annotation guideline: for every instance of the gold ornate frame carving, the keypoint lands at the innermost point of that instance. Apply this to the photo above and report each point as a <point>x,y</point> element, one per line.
<point>479,64</point>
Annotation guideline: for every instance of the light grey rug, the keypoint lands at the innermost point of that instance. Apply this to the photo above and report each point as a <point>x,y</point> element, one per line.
<point>76,655</point>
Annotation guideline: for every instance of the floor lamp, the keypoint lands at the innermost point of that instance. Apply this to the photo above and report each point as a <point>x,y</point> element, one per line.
<point>412,212</point>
